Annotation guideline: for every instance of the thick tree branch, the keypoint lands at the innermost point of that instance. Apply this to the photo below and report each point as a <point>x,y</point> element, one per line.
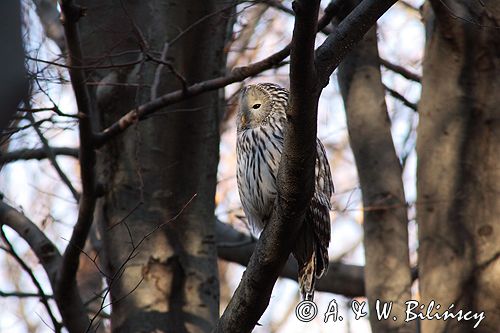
<point>350,31</point>
<point>44,249</point>
<point>238,247</point>
<point>46,252</point>
<point>295,182</point>
<point>43,298</point>
<point>75,318</point>
<point>338,6</point>
<point>36,154</point>
<point>238,74</point>
<point>296,171</point>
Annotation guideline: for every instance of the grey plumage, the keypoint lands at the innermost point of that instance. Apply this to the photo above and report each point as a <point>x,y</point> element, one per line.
<point>261,119</point>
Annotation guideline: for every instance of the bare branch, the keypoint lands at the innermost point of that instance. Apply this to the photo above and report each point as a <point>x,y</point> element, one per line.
<point>336,6</point>
<point>52,158</point>
<point>295,182</point>
<point>308,76</point>
<point>46,252</point>
<point>400,70</point>
<point>36,154</point>
<point>43,298</point>
<point>88,66</point>
<point>350,31</point>
<point>44,249</point>
<point>19,294</point>
<point>75,318</point>
<point>400,97</point>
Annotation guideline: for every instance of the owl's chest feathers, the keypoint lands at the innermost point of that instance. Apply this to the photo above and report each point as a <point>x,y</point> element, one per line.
<point>258,156</point>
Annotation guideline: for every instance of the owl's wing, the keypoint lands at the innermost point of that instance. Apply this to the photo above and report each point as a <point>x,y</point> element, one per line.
<point>324,183</point>
<point>319,209</point>
<point>311,249</point>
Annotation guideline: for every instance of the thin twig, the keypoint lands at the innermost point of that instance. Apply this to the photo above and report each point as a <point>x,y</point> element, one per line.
<point>52,158</point>
<point>19,294</point>
<point>400,70</point>
<point>135,247</point>
<point>400,97</point>
<point>43,298</point>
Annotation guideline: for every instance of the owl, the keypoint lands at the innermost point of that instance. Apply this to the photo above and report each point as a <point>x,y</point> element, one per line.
<point>261,121</point>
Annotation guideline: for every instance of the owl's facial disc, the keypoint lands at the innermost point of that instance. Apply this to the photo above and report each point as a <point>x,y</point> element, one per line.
<point>254,106</point>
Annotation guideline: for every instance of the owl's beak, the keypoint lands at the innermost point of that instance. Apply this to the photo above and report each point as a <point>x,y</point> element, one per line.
<point>245,113</point>
<point>244,120</point>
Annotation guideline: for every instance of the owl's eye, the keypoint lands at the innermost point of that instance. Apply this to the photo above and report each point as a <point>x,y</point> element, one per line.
<point>256,106</point>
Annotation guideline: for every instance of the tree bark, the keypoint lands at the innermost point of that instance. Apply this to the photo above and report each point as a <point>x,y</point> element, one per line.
<point>156,217</point>
<point>459,154</point>
<point>387,269</point>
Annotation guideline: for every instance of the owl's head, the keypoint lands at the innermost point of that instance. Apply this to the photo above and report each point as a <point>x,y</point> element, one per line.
<point>259,102</point>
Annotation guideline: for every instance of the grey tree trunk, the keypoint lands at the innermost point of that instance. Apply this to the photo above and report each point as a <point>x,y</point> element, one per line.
<point>458,167</point>
<point>156,217</point>
<point>387,270</point>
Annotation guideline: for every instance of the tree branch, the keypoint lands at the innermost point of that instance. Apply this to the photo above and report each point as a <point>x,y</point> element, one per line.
<point>234,246</point>
<point>46,252</point>
<point>237,74</point>
<point>52,158</point>
<point>34,280</point>
<point>350,31</point>
<point>400,70</point>
<point>295,181</point>
<point>296,171</point>
<point>36,154</point>
<point>19,294</point>
<point>75,318</point>
<point>339,6</point>
<point>400,97</point>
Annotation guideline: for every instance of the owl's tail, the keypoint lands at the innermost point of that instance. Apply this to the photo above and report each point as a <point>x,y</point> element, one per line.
<point>312,259</point>
<point>307,279</point>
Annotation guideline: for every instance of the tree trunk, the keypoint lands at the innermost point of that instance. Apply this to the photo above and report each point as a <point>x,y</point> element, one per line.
<point>156,217</point>
<point>387,270</point>
<point>458,164</point>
